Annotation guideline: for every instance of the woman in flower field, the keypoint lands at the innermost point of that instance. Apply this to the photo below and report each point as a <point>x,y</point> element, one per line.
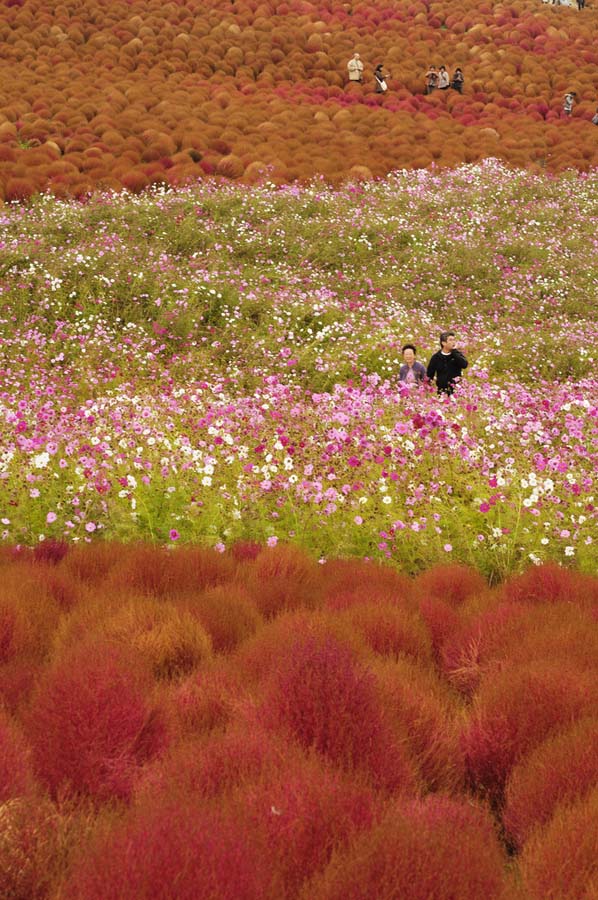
<point>412,372</point>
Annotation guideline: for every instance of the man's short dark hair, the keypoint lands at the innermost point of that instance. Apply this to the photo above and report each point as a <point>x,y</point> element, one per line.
<point>445,335</point>
<point>409,347</point>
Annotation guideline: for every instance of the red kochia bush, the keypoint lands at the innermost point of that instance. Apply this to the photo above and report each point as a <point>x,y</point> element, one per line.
<point>205,700</point>
<point>198,568</point>
<point>551,583</point>
<point>427,712</point>
<point>561,770</point>
<point>228,614</point>
<point>140,569</point>
<point>515,633</point>
<point>91,562</point>
<point>284,578</point>
<point>330,702</point>
<point>16,776</point>
<point>515,710</point>
<point>28,611</point>
<point>434,849</point>
<point>160,573</point>
<point>452,583</point>
<point>442,621</point>
<point>91,725</point>
<point>304,812</point>
<point>559,861</point>
<point>208,766</point>
<point>33,835</point>
<point>174,850</point>
<point>50,551</point>
<point>269,648</point>
<point>466,652</point>
<point>390,630</point>
<point>246,550</point>
<point>362,579</point>
<point>17,678</point>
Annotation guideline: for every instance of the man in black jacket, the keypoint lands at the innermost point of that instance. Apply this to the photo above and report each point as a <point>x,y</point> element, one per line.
<point>446,364</point>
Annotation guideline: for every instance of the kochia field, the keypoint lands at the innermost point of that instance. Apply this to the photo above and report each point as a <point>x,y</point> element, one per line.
<point>113,94</point>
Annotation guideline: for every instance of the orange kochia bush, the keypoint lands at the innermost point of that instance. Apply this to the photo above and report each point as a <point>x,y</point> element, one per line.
<point>264,86</point>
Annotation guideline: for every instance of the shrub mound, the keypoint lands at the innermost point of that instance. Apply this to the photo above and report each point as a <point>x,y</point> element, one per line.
<point>316,749</point>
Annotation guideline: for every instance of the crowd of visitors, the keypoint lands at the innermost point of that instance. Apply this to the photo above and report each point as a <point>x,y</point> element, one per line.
<point>437,78</point>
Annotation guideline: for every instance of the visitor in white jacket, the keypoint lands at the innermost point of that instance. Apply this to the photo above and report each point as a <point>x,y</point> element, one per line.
<point>355,67</point>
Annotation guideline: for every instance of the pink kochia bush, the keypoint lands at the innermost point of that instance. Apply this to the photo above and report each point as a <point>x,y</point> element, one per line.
<point>92,725</point>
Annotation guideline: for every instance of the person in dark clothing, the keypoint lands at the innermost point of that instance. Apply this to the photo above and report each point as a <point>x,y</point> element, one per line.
<point>380,77</point>
<point>431,80</point>
<point>457,81</point>
<point>446,364</point>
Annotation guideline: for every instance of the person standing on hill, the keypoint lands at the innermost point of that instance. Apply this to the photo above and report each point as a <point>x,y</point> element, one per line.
<point>380,77</point>
<point>443,79</point>
<point>569,102</point>
<point>457,80</point>
<point>355,67</point>
<point>411,372</point>
<point>446,364</point>
<point>431,80</point>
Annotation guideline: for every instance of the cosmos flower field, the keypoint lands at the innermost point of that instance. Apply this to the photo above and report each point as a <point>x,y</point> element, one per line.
<point>220,363</point>
<point>273,626</point>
